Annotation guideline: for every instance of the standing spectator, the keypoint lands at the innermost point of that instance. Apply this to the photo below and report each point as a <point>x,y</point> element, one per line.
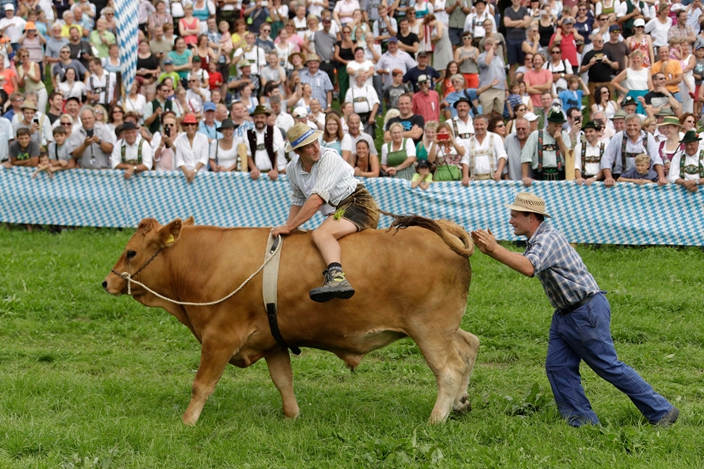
<point>545,150</point>
<point>223,153</point>
<point>396,89</point>
<point>474,23</point>
<point>191,149</point>
<point>439,38</point>
<point>672,70</point>
<point>408,41</point>
<point>101,38</point>
<point>635,79</point>
<point>567,38</point>
<point>189,26</point>
<point>12,26</point>
<point>466,57</point>
<point>514,145</point>
<point>54,43</point>
<point>687,168</point>
<point>618,48</point>
<point>490,32</point>
<point>537,80</point>
<point>421,69</point>
<point>365,103</point>
<point>208,126</point>
<point>334,138</point>
<point>447,153</point>
<point>483,161</point>
<point>587,155</point>
<point>159,46</point>
<point>516,19</point>
<point>384,27</point>
<point>661,98</point>
<point>426,102</point>
<point>561,70</point>
<point>625,146</point>
<point>323,42</point>
<point>599,64</point>
<point>318,81</point>
<point>91,143</point>
<point>462,124</point>
<point>37,123</point>
<point>356,134</point>
<point>29,77</point>
<point>681,30</point>
<point>458,11</point>
<point>642,42</point>
<point>131,153</point>
<point>158,19</point>
<point>344,54</point>
<point>8,80</point>
<point>411,124</point>
<point>604,103</point>
<point>265,147</point>
<point>34,43</point>
<point>80,48</point>
<point>491,73</point>
<point>398,156</point>
<point>344,11</point>
<point>627,13</point>
<point>361,66</point>
<point>658,27</point>
<point>392,60</point>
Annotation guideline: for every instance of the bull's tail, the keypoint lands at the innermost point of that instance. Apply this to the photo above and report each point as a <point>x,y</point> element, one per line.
<point>453,234</point>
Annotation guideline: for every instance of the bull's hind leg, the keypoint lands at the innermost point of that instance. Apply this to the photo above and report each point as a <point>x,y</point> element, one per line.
<point>279,364</point>
<point>467,346</point>
<point>449,368</point>
<point>214,356</point>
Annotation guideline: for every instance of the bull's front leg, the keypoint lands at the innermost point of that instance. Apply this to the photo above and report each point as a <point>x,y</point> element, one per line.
<point>279,364</point>
<point>214,355</point>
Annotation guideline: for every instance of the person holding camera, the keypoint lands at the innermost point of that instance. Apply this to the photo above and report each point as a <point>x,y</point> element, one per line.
<point>598,64</point>
<point>163,143</point>
<point>92,143</point>
<point>38,124</point>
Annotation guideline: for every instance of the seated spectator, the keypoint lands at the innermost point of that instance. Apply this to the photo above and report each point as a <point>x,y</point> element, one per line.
<point>334,138</point>
<point>641,172</point>
<point>265,147</point>
<point>131,153</point>
<point>100,114</point>
<point>191,149</point>
<point>447,153</point>
<point>687,167</point>
<point>224,156</point>
<point>398,155</point>
<point>58,150</point>
<point>23,151</point>
<point>423,177</point>
<point>365,164</point>
<point>91,143</point>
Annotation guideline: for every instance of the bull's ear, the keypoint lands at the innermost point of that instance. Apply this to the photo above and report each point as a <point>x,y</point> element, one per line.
<point>170,233</point>
<point>190,221</point>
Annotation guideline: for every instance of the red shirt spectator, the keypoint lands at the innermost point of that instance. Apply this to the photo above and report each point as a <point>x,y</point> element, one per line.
<point>426,102</point>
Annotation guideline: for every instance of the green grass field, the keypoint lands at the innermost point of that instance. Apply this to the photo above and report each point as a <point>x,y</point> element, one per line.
<point>90,380</point>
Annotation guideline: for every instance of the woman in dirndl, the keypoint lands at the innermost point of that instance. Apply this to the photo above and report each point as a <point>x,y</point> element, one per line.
<point>398,156</point>
<point>446,154</point>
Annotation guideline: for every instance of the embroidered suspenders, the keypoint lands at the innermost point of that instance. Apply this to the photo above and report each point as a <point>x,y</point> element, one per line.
<point>625,155</point>
<point>590,159</point>
<point>139,153</point>
<point>489,152</point>
<point>692,168</point>
<point>553,147</point>
<point>457,132</point>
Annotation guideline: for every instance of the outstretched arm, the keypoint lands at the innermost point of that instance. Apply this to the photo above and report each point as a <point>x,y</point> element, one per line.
<point>485,241</point>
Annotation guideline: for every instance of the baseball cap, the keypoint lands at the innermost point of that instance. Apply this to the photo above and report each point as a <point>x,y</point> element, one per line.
<point>639,22</point>
<point>168,62</point>
<point>568,20</point>
<point>300,112</point>
<point>393,39</point>
<point>29,25</point>
<point>209,107</point>
<point>530,117</point>
<point>9,6</point>
<point>422,54</point>
<point>422,78</point>
<point>614,27</point>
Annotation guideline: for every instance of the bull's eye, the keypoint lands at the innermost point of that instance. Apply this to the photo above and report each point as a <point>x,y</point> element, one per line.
<point>131,254</point>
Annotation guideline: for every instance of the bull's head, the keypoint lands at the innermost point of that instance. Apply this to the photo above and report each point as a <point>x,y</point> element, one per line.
<point>150,238</point>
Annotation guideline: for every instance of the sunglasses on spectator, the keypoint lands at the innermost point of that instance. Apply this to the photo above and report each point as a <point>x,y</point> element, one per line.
<point>169,125</point>
<point>66,123</point>
<point>500,125</point>
<point>116,111</point>
<point>605,92</point>
<point>189,125</point>
<point>555,52</point>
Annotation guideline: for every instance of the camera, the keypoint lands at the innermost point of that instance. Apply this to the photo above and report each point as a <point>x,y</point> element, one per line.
<point>36,120</point>
<point>443,137</point>
<point>167,131</point>
<point>89,133</point>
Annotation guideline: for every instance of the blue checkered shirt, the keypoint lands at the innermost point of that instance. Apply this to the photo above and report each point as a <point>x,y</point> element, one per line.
<point>320,84</point>
<point>561,271</point>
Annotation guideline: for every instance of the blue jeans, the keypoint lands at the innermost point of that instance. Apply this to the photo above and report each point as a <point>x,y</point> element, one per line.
<point>584,334</point>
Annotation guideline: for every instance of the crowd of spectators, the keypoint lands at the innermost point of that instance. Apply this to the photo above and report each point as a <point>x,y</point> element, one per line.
<point>467,90</point>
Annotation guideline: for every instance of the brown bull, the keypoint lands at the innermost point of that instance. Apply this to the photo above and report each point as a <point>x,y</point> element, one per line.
<point>396,299</point>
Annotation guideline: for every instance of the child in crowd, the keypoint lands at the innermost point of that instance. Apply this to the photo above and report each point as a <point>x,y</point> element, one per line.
<point>198,72</point>
<point>23,151</point>
<point>641,173</point>
<point>572,96</point>
<point>514,98</point>
<point>44,165</point>
<point>169,72</point>
<point>423,176</point>
<point>396,89</point>
<point>58,150</point>
<point>214,77</point>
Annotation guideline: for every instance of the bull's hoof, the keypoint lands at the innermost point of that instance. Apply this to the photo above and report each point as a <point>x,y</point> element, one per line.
<point>463,406</point>
<point>190,420</point>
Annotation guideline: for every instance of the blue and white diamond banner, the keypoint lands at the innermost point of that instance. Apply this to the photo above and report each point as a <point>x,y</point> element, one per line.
<point>624,214</point>
<point>127,21</point>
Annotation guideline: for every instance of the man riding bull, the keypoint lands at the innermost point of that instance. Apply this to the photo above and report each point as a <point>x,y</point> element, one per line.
<point>322,181</point>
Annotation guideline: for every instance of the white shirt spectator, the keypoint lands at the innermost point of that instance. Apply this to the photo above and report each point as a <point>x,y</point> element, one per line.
<point>347,7</point>
<point>482,163</point>
<point>410,149</point>
<point>260,156</point>
<point>363,66</point>
<point>15,27</point>
<point>189,156</point>
<point>256,57</point>
<point>285,121</point>
<point>132,153</point>
<point>363,99</point>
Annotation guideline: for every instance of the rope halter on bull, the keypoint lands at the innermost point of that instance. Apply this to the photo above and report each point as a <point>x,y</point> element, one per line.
<point>130,278</point>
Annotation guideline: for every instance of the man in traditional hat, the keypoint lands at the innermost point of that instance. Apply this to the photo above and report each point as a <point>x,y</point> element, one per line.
<point>265,147</point>
<point>588,154</point>
<point>322,181</point>
<point>621,152</point>
<point>319,81</point>
<point>687,166</point>
<point>545,150</point>
<point>131,153</point>
<point>580,328</point>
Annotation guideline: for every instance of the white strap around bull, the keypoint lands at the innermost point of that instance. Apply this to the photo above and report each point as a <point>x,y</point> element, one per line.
<point>267,258</point>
